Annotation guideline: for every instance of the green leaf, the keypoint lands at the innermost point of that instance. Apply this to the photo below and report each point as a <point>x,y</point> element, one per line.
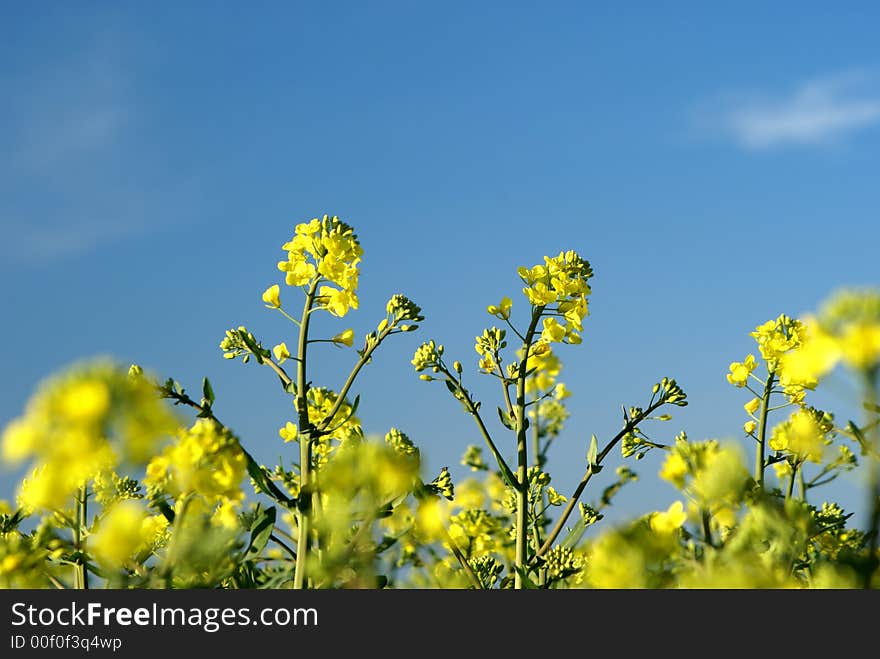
<point>166,510</point>
<point>507,479</point>
<point>261,529</point>
<point>453,389</point>
<point>260,477</point>
<point>207,391</point>
<point>575,534</point>
<point>505,418</point>
<point>860,437</point>
<point>528,584</point>
<point>593,452</point>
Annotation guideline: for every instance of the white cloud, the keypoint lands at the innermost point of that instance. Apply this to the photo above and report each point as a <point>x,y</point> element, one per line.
<point>817,112</point>
<point>64,129</point>
<point>46,242</point>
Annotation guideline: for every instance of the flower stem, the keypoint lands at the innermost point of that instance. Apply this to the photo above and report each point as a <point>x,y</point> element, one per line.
<point>522,456</point>
<point>304,502</point>
<point>762,430</point>
<point>794,473</point>
<point>81,573</point>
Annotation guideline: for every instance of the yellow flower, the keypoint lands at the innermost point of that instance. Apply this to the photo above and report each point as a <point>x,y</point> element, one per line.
<point>207,459</point>
<point>553,331</point>
<point>782,469</point>
<point>20,439</point>
<point>501,310</point>
<point>674,469</point>
<point>722,476</point>
<point>777,337</point>
<point>432,516</point>
<point>288,433</point>
<point>815,357</point>
<point>299,271</point>
<point>616,563</point>
<point>282,354</point>
<point>554,498</point>
<point>85,401</point>
<point>749,427</point>
<point>860,345</point>
<point>668,522</point>
<point>271,296</point>
<point>740,371</point>
<point>338,302</point>
<point>118,535</point>
<point>153,529</point>
<point>226,515</point>
<point>752,406</point>
<point>470,494</point>
<point>346,338</point>
<point>801,435</point>
<point>540,294</point>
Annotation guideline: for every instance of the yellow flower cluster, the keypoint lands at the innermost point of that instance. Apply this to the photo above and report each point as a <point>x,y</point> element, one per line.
<point>124,530</point>
<point>847,330</point>
<point>81,424</point>
<point>487,346</point>
<point>347,427</point>
<point>561,280</point>
<point>777,337</point>
<point>358,481</point>
<point>779,340</point>
<point>206,460</point>
<point>802,435</point>
<point>475,531</point>
<point>716,472</point>
<point>546,365</point>
<point>329,249</point>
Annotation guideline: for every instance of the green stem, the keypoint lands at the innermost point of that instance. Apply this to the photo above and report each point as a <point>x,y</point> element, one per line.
<point>707,527</point>
<point>536,439</point>
<point>762,430</point>
<point>802,485</point>
<point>794,471</point>
<point>363,361</point>
<point>80,574</point>
<point>539,463</point>
<point>274,538</point>
<point>459,556</point>
<point>522,456</point>
<point>288,316</point>
<point>304,502</point>
<point>502,463</point>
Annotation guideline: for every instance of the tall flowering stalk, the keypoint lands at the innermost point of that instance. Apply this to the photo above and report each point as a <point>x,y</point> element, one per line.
<point>557,292</point>
<point>323,260</point>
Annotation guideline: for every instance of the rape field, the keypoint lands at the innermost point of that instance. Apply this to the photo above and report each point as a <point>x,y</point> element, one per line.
<point>134,482</point>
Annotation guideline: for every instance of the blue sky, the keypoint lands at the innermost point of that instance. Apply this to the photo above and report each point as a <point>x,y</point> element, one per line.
<point>717,166</point>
